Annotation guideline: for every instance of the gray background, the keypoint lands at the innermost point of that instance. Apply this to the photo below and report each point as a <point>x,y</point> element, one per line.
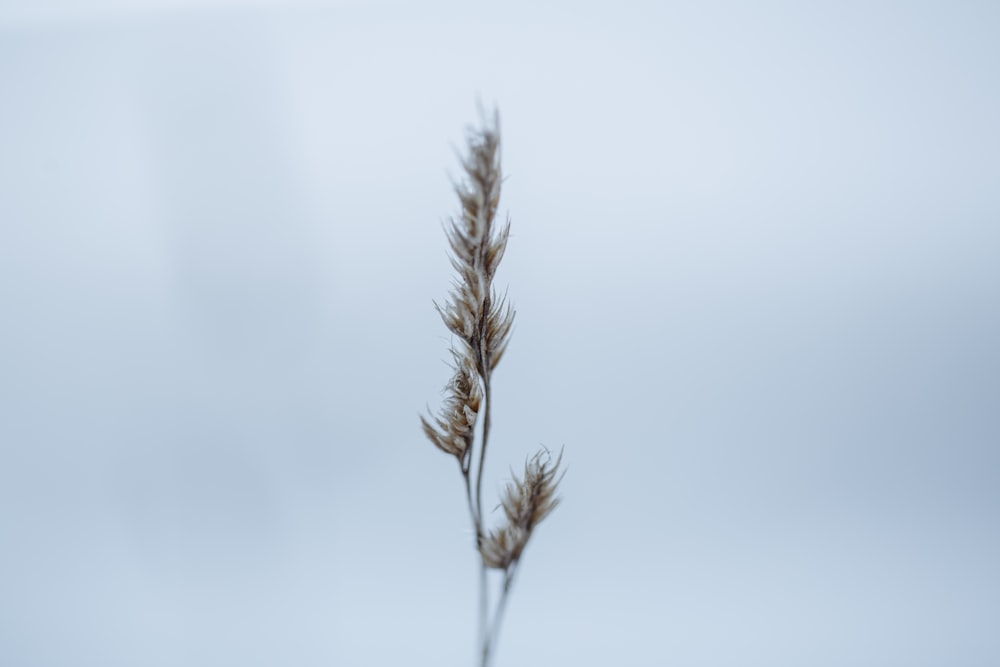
<point>756,262</point>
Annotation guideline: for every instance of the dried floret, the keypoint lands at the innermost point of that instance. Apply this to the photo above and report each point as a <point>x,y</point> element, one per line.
<point>525,503</point>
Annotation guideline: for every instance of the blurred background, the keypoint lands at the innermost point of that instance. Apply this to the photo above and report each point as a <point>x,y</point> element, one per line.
<point>756,263</point>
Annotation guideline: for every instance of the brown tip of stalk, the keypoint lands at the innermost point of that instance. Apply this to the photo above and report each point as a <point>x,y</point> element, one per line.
<point>525,502</point>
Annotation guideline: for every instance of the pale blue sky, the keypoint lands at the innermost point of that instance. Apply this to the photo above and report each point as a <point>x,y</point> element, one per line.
<point>756,262</point>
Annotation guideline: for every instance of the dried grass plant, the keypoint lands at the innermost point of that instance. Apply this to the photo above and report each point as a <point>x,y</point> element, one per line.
<point>480,321</point>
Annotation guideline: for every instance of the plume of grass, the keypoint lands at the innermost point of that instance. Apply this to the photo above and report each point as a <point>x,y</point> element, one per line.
<point>480,321</point>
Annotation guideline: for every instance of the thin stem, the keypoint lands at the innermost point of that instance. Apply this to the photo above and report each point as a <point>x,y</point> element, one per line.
<point>486,436</point>
<point>476,521</point>
<point>484,602</point>
<point>494,631</point>
<point>483,590</point>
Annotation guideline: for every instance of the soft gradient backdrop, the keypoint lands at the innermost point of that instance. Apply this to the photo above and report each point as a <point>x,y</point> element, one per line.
<point>756,262</point>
